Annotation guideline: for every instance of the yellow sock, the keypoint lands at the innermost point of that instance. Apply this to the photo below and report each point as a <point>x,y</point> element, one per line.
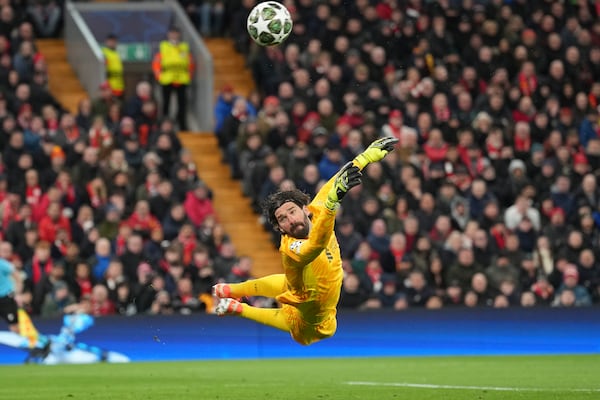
<point>274,317</point>
<point>268,286</point>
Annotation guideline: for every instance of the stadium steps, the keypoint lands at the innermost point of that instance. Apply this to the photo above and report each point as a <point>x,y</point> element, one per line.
<point>62,80</point>
<point>229,67</point>
<point>233,209</point>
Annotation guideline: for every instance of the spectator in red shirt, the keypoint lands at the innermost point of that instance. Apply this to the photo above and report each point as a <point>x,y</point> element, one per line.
<point>527,79</point>
<point>9,209</point>
<point>53,195</point>
<point>525,111</point>
<point>142,221</point>
<point>435,148</point>
<point>100,304</point>
<point>41,263</point>
<point>52,222</point>
<point>197,204</point>
<point>33,190</point>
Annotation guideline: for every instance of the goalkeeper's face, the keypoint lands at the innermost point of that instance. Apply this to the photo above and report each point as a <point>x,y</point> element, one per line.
<point>293,220</point>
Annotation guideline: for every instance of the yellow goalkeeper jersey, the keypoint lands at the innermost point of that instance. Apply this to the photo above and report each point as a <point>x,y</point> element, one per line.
<point>313,266</point>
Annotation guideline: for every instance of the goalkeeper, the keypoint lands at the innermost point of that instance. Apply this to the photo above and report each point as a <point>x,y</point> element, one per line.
<point>309,288</point>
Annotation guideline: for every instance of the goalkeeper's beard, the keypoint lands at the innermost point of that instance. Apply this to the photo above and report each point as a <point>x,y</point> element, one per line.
<point>300,230</point>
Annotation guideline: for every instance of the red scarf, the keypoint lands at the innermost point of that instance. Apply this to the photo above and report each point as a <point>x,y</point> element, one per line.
<point>99,137</point>
<point>52,125</point>
<point>61,246</point>
<point>477,167</point>
<point>593,100</point>
<point>522,144</point>
<point>499,237</point>
<point>462,182</point>
<point>189,244</point>
<point>120,245</point>
<point>542,291</point>
<point>72,134</point>
<point>95,136</point>
<point>527,85</point>
<point>37,271</point>
<point>493,151</point>
<point>33,194</point>
<point>144,133</point>
<point>398,254</point>
<point>435,154</point>
<point>164,265</point>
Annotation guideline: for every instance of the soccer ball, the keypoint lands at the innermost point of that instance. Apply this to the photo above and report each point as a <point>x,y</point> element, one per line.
<point>269,23</point>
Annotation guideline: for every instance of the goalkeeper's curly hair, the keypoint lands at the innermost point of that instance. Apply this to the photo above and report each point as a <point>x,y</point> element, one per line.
<point>276,200</point>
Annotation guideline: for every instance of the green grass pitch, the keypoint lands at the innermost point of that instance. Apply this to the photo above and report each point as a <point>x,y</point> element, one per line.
<point>539,377</point>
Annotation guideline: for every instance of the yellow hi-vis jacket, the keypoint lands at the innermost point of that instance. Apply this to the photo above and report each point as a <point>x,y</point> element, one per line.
<point>173,64</point>
<point>114,70</point>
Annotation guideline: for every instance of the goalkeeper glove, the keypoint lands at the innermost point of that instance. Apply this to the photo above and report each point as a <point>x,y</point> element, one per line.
<point>376,151</point>
<point>347,178</point>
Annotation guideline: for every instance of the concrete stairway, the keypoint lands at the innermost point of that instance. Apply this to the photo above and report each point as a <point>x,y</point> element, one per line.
<point>63,83</point>
<point>229,66</point>
<point>232,208</point>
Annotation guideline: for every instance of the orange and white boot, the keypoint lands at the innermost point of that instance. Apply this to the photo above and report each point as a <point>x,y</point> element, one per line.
<point>228,307</point>
<point>221,290</point>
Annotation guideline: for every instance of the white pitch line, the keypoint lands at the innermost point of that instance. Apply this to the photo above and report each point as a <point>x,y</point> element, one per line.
<point>460,387</point>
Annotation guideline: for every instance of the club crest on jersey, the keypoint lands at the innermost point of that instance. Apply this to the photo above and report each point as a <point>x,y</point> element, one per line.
<point>295,246</point>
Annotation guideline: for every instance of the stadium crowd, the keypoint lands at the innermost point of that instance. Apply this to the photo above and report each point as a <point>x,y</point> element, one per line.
<point>101,210</point>
<point>491,198</point>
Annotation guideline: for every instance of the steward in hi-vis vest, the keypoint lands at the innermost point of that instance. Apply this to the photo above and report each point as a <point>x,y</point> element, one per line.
<point>173,68</point>
<point>114,66</point>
